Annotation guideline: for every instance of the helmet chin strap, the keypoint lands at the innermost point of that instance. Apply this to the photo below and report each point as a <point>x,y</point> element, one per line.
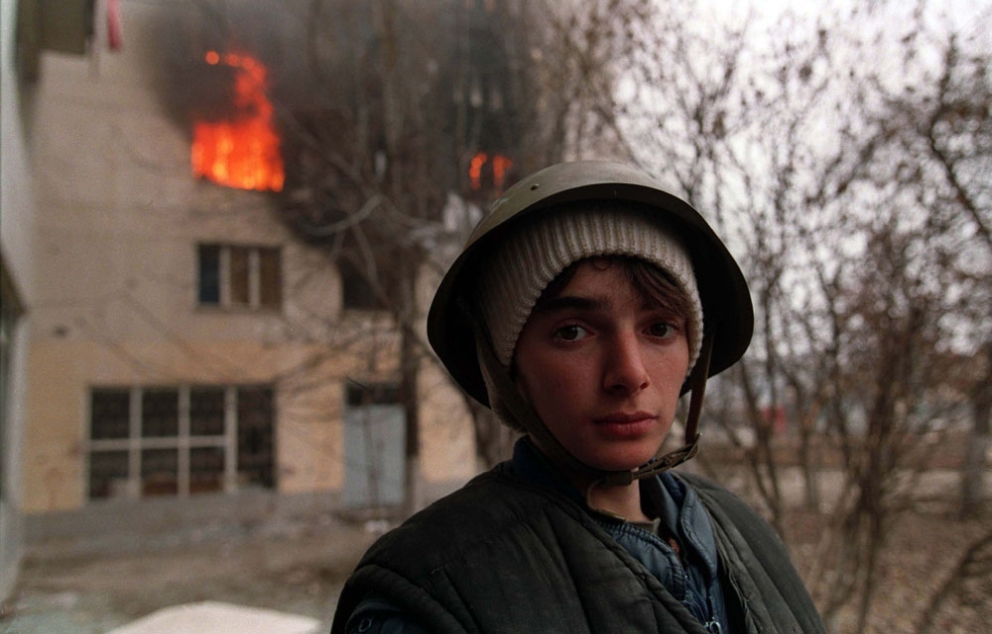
<point>508,402</point>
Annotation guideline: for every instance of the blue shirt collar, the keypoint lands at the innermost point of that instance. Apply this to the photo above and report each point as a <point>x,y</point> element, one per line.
<point>665,496</point>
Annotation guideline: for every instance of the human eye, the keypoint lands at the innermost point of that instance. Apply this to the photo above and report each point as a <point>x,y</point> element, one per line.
<point>662,329</point>
<point>571,332</point>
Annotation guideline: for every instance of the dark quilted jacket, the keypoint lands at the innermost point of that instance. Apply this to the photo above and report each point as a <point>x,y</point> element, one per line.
<point>504,555</point>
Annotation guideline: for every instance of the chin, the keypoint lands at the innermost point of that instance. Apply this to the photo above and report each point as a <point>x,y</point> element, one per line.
<point>621,461</point>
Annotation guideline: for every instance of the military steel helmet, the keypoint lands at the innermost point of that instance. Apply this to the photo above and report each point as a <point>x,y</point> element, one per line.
<point>727,311</point>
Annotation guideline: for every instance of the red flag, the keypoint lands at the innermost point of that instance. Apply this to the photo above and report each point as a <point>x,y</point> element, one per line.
<point>115,36</point>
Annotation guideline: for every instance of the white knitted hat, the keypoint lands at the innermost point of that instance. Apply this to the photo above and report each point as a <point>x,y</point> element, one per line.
<point>531,258</point>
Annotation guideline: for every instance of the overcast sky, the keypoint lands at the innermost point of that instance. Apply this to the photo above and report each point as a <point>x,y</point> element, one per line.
<point>966,15</point>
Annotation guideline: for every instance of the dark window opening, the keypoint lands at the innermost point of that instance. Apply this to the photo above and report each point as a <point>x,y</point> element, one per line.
<point>206,412</point>
<point>239,283</point>
<point>255,451</point>
<point>270,276</point>
<point>110,414</point>
<point>358,293</point>
<point>209,274</point>
<point>108,474</point>
<point>375,394</point>
<point>160,413</point>
<point>159,472</point>
<point>206,469</point>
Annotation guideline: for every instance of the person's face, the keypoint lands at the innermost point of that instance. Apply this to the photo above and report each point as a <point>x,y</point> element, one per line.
<point>603,367</point>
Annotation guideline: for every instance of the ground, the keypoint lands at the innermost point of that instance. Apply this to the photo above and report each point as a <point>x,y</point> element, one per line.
<point>294,569</point>
<point>300,569</point>
<point>924,548</point>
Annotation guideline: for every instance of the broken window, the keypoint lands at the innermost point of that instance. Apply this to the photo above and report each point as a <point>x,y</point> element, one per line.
<point>239,276</point>
<point>179,441</point>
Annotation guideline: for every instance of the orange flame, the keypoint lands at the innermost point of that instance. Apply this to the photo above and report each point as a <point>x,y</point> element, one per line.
<point>475,169</point>
<point>243,153</point>
<point>500,166</point>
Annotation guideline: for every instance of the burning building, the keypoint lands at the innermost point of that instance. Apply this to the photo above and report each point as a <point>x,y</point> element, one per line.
<point>242,152</point>
<point>191,358</point>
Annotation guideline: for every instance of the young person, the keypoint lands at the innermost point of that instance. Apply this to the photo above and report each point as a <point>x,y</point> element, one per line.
<point>584,305</point>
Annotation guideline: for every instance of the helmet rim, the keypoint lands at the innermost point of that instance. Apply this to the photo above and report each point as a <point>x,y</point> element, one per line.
<point>728,314</point>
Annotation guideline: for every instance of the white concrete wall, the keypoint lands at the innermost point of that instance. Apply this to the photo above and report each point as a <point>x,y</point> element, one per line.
<point>119,218</point>
<point>16,229</point>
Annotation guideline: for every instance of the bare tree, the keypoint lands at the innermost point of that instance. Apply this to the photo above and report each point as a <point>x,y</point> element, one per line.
<point>412,130</point>
<point>374,160</point>
<point>798,150</point>
<point>948,130</point>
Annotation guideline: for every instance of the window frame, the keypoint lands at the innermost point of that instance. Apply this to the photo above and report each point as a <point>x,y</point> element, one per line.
<point>184,442</point>
<point>258,299</point>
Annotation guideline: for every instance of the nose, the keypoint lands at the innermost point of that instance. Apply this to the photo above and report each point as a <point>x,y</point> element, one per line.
<point>624,371</point>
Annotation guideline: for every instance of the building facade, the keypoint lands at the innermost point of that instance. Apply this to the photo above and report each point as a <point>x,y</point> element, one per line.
<point>16,285</point>
<point>191,360</point>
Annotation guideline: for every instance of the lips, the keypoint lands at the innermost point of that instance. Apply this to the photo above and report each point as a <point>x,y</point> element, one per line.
<point>623,425</point>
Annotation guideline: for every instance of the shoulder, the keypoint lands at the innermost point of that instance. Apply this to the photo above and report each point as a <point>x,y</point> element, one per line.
<point>497,535</point>
<point>484,509</point>
<point>399,569</point>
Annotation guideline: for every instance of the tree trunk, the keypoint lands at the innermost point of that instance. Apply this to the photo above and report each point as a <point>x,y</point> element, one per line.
<point>980,441</point>
<point>811,480</point>
<point>409,362</point>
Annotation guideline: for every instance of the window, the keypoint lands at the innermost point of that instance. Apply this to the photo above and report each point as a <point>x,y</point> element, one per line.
<point>358,293</point>
<point>255,437</point>
<point>180,441</point>
<point>239,276</point>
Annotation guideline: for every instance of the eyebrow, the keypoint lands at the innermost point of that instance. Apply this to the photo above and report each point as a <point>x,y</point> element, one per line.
<point>563,302</point>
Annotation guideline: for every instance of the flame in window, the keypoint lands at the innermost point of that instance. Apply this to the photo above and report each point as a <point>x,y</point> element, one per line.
<point>475,169</point>
<point>243,152</point>
<point>499,166</point>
